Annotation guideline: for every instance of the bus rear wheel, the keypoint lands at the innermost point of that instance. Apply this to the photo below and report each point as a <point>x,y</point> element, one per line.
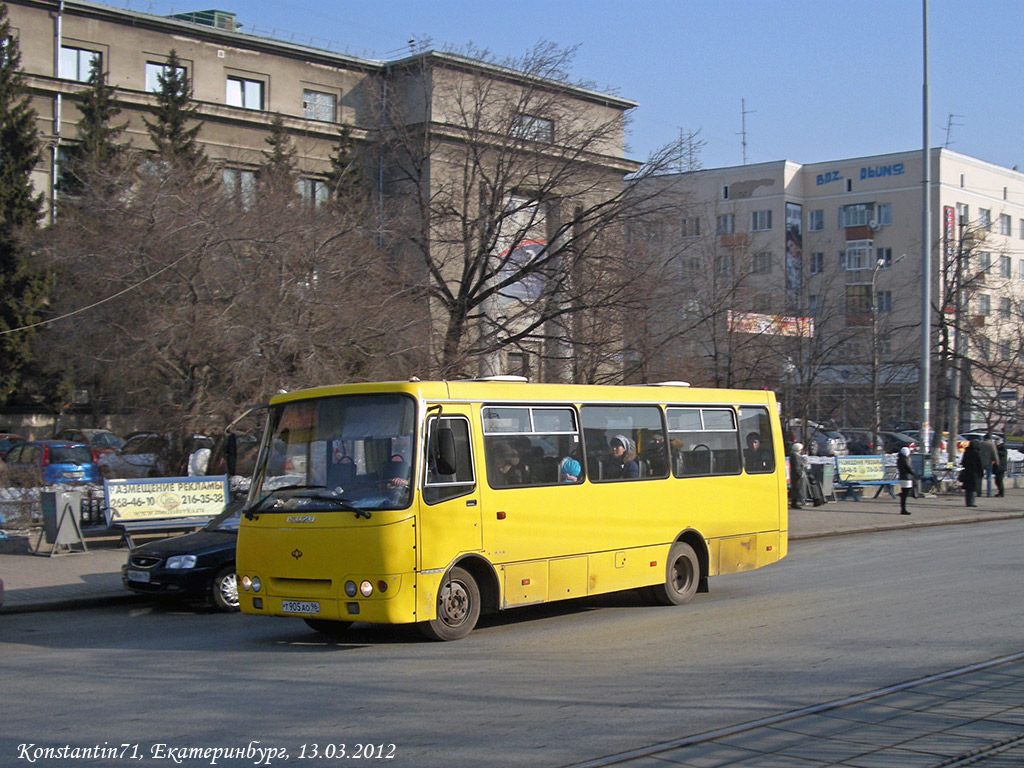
<point>458,607</point>
<point>328,627</point>
<point>682,576</point>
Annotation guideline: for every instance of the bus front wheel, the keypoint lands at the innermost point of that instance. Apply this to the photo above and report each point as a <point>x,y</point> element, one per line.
<point>682,576</point>
<point>458,607</point>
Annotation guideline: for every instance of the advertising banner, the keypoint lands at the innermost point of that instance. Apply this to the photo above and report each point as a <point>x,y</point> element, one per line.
<point>856,469</point>
<point>162,498</point>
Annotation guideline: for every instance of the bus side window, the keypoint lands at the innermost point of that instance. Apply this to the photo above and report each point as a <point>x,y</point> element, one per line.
<point>441,485</point>
<point>758,448</point>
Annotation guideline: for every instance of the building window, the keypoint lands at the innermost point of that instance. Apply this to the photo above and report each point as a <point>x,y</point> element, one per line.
<point>817,263</point>
<point>963,214</point>
<point>813,304</point>
<point>725,192</point>
<point>858,254</point>
<point>985,261</point>
<point>858,299</point>
<point>518,364</point>
<point>858,215</point>
<point>239,186</point>
<point>1005,267</point>
<point>76,63</point>
<point>762,263</point>
<point>533,128</point>
<point>1005,307</point>
<point>155,70</point>
<point>725,224</point>
<point>247,94</point>
<point>883,301</point>
<point>723,266</point>
<point>1020,270</point>
<point>314,192</point>
<point>815,220</point>
<point>884,255</point>
<point>317,105</point>
<point>1005,225</point>
<point>985,219</point>
<point>883,215</point>
<point>760,221</point>
<point>984,304</point>
<point>690,228</point>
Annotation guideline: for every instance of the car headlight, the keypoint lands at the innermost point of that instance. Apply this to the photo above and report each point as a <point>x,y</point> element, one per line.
<point>181,562</point>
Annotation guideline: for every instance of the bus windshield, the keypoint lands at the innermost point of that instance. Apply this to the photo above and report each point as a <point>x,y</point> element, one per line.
<point>351,452</point>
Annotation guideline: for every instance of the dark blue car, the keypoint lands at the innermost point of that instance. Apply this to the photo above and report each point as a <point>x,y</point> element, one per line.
<point>50,462</point>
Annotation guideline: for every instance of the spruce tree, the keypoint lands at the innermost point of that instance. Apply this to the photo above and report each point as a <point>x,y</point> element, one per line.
<point>175,142</point>
<point>97,150</point>
<point>22,288</point>
<point>278,172</point>
<point>345,179</point>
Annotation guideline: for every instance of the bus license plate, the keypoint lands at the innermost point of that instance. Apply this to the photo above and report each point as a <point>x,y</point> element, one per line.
<point>138,576</point>
<point>298,606</point>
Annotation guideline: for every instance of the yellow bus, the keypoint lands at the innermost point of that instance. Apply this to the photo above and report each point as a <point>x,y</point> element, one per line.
<point>431,502</point>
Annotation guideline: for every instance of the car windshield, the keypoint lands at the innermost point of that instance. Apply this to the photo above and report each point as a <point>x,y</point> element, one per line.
<point>70,454</point>
<point>337,453</point>
<point>107,440</point>
<point>228,519</point>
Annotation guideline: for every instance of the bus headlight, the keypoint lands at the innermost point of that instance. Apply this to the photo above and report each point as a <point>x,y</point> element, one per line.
<point>350,588</point>
<point>252,584</point>
<point>365,589</point>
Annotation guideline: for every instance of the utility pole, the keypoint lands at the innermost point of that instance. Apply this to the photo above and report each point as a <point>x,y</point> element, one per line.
<point>926,254</point>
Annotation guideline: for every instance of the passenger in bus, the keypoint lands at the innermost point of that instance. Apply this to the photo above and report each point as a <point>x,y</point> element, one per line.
<point>569,470</point>
<point>505,470</point>
<point>755,457</point>
<point>529,464</point>
<point>622,463</point>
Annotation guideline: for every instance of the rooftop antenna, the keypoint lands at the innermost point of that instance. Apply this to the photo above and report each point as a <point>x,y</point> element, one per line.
<point>949,128</point>
<point>743,132</point>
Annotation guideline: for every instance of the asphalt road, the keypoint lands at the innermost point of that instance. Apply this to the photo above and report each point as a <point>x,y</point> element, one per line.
<point>547,686</point>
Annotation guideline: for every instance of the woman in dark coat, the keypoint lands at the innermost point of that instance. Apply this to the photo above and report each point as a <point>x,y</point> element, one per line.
<point>972,472</point>
<point>906,474</point>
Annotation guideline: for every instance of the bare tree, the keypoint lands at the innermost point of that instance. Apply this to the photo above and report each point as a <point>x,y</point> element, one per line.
<point>514,202</point>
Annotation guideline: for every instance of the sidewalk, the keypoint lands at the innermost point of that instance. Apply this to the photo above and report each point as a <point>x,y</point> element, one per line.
<point>37,582</point>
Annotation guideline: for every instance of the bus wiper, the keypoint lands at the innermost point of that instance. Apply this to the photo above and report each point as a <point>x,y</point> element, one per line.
<point>340,503</point>
<point>250,512</point>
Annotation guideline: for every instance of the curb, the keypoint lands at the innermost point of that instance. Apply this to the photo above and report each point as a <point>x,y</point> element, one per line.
<point>990,517</point>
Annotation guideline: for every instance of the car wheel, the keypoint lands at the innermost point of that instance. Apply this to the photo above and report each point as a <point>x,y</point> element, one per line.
<point>224,590</point>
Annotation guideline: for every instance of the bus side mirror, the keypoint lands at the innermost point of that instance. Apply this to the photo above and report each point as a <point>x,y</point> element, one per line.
<point>444,452</point>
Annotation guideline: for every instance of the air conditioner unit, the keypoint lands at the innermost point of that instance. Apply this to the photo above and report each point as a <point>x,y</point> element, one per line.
<point>873,224</point>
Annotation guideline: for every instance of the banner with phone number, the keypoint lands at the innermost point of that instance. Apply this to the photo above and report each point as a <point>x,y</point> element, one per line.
<point>162,498</point>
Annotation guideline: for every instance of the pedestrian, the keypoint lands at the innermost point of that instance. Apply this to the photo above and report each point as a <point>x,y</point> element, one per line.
<point>1000,468</point>
<point>907,475</point>
<point>798,490</point>
<point>988,462</point>
<point>972,472</point>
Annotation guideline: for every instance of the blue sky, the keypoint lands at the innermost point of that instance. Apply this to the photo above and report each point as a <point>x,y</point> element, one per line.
<point>821,79</point>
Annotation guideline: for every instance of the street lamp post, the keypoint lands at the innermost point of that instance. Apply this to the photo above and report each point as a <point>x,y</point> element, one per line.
<point>876,405</point>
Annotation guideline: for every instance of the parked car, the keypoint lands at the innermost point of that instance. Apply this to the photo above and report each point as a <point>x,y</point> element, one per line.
<point>49,462</point>
<point>827,442</point>
<point>861,441</point>
<point>980,435</point>
<point>196,566</point>
<point>146,455</point>
<point>100,441</point>
<point>7,441</point>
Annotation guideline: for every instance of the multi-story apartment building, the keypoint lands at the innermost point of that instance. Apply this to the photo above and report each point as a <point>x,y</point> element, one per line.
<point>840,244</point>
<point>241,82</point>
